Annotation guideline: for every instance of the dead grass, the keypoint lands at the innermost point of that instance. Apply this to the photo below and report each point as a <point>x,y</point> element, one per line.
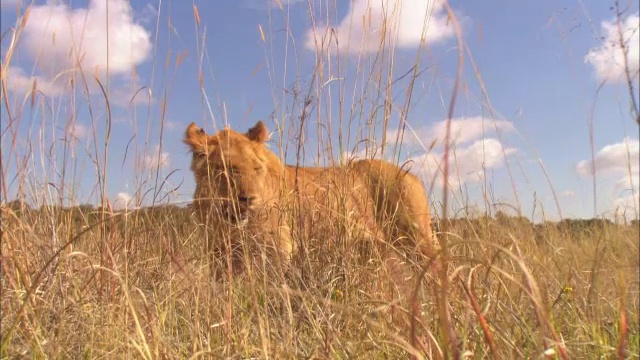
<point>89,282</point>
<point>154,299</point>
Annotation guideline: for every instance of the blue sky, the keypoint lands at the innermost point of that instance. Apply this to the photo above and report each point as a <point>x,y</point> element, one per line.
<point>541,63</point>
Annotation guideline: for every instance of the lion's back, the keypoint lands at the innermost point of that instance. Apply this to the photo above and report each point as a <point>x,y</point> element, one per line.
<point>400,197</point>
<point>376,179</point>
<point>363,192</point>
<point>385,175</point>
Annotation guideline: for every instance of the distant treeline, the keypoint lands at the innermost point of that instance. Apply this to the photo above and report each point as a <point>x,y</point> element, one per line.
<point>87,212</point>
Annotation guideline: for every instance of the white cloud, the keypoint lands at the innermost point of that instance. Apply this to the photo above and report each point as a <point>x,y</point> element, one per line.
<point>628,182</point>
<point>613,159</point>
<point>473,149</point>
<point>628,203</point>
<point>626,192</point>
<point>463,130</point>
<point>607,60</point>
<point>61,37</point>
<point>266,4</point>
<point>23,84</point>
<point>620,161</point>
<point>122,201</point>
<point>149,14</point>
<point>156,158</point>
<point>568,193</point>
<point>369,21</point>
<point>466,164</point>
<point>61,40</point>
<point>77,131</point>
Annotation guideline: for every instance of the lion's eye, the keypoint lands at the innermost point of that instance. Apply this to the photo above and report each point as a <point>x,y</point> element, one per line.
<point>199,156</point>
<point>227,168</point>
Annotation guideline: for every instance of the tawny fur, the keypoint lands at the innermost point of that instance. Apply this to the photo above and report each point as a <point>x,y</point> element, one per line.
<point>243,187</point>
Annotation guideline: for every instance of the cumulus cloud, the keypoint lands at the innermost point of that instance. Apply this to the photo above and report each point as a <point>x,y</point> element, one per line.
<point>628,182</point>
<point>607,59</point>
<point>613,159</point>
<point>368,22</point>
<point>266,4</point>
<point>474,151</point>
<point>62,40</point>
<point>620,161</point>
<point>23,83</point>
<point>627,193</point>
<point>77,131</point>
<point>628,203</point>
<point>463,130</point>
<point>68,38</point>
<point>156,158</point>
<point>466,164</point>
<point>122,201</point>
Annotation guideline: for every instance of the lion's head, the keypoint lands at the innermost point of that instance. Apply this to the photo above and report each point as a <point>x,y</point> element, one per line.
<point>231,170</point>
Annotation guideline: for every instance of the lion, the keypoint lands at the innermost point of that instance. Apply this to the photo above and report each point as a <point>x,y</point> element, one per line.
<point>243,189</point>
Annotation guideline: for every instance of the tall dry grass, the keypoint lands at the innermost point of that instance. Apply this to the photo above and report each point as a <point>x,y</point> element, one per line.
<point>93,282</point>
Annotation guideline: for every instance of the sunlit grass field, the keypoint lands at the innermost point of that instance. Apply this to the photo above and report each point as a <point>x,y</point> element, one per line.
<point>94,282</point>
<point>138,285</point>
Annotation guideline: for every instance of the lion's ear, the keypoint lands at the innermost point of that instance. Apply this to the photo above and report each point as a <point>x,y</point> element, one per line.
<point>196,138</point>
<point>258,133</point>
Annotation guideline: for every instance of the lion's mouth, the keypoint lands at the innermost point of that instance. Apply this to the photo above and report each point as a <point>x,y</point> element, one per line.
<point>238,212</point>
<point>233,214</point>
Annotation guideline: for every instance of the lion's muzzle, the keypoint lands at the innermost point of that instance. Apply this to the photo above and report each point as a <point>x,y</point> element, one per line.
<point>237,211</point>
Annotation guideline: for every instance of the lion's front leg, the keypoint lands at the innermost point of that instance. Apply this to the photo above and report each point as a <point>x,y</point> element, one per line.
<point>271,233</point>
<point>223,249</point>
<point>277,246</point>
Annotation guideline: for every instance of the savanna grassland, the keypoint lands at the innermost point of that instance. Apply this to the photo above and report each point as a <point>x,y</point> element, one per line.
<point>79,283</point>
<point>103,282</point>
